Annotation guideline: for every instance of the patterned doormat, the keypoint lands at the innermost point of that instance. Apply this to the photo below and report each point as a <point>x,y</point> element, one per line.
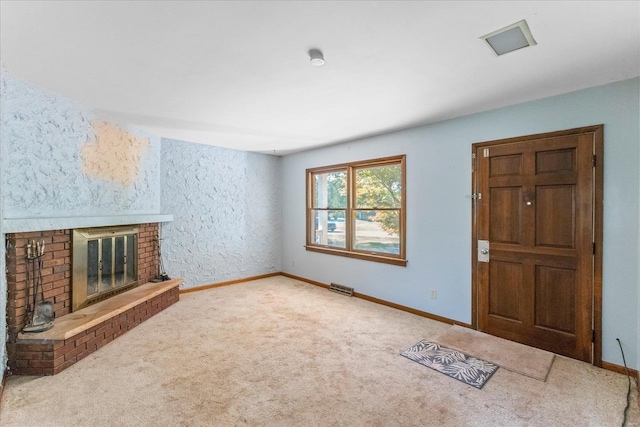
<point>469,370</point>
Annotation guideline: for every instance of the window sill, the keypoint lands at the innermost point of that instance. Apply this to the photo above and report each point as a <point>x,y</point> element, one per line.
<point>358,255</point>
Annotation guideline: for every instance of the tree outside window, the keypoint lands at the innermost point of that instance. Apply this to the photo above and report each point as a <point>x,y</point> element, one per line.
<point>357,210</point>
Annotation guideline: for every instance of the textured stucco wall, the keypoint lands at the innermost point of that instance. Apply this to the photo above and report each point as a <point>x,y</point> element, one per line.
<point>43,165</point>
<point>3,277</point>
<point>45,139</point>
<point>226,207</point>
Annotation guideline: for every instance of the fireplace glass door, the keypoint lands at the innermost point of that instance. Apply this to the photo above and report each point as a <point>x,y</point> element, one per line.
<point>104,263</point>
<point>109,264</point>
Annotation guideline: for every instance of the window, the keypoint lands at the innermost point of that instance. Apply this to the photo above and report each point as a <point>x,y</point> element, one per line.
<point>357,210</point>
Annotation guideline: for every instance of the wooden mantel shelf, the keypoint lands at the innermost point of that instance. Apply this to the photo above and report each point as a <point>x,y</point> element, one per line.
<point>22,225</point>
<point>79,321</point>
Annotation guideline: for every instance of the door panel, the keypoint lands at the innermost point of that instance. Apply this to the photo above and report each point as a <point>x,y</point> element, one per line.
<point>505,165</point>
<point>555,161</point>
<point>537,210</point>
<point>505,282</point>
<point>555,287</point>
<point>555,214</point>
<point>506,220</point>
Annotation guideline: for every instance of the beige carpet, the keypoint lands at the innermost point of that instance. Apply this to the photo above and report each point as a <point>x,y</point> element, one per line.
<point>522,359</point>
<point>278,352</point>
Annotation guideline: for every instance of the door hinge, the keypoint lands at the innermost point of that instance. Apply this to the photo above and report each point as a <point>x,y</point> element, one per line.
<point>486,152</point>
<point>594,160</point>
<point>593,335</point>
<point>594,248</point>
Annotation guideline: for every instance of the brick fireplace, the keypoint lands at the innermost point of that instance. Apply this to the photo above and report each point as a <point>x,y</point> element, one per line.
<point>39,354</point>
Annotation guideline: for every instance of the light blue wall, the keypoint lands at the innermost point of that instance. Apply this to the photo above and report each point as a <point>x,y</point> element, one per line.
<point>439,215</point>
<point>226,208</point>
<point>237,193</point>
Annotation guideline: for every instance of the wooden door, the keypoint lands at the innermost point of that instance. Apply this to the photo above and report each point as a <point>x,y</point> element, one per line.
<point>536,208</point>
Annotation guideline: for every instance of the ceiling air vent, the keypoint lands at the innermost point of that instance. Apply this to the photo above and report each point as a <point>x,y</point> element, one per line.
<point>514,37</point>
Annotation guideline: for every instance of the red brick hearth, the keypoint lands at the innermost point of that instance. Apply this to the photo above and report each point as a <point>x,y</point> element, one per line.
<point>50,352</point>
<point>48,357</point>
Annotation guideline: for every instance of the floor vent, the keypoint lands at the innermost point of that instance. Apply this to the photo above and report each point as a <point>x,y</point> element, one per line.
<point>344,290</point>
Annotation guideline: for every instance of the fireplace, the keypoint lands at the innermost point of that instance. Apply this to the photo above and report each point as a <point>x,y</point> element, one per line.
<point>76,335</point>
<point>104,263</point>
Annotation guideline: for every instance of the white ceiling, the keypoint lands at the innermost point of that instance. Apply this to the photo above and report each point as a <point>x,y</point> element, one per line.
<point>237,74</point>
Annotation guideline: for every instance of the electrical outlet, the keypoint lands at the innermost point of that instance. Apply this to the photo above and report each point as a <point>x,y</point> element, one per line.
<point>434,294</point>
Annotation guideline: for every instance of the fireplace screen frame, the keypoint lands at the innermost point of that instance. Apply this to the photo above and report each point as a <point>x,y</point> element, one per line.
<point>80,297</point>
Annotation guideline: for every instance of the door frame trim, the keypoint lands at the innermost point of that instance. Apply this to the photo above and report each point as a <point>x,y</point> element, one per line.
<point>598,225</point>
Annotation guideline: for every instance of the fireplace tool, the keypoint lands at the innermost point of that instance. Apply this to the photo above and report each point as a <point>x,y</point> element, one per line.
<point>41,312</point>
<point>162,274</point>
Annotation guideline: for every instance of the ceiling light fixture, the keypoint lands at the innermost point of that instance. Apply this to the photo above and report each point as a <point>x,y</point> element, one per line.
<point>514,37</point>
<point>317,58</point>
